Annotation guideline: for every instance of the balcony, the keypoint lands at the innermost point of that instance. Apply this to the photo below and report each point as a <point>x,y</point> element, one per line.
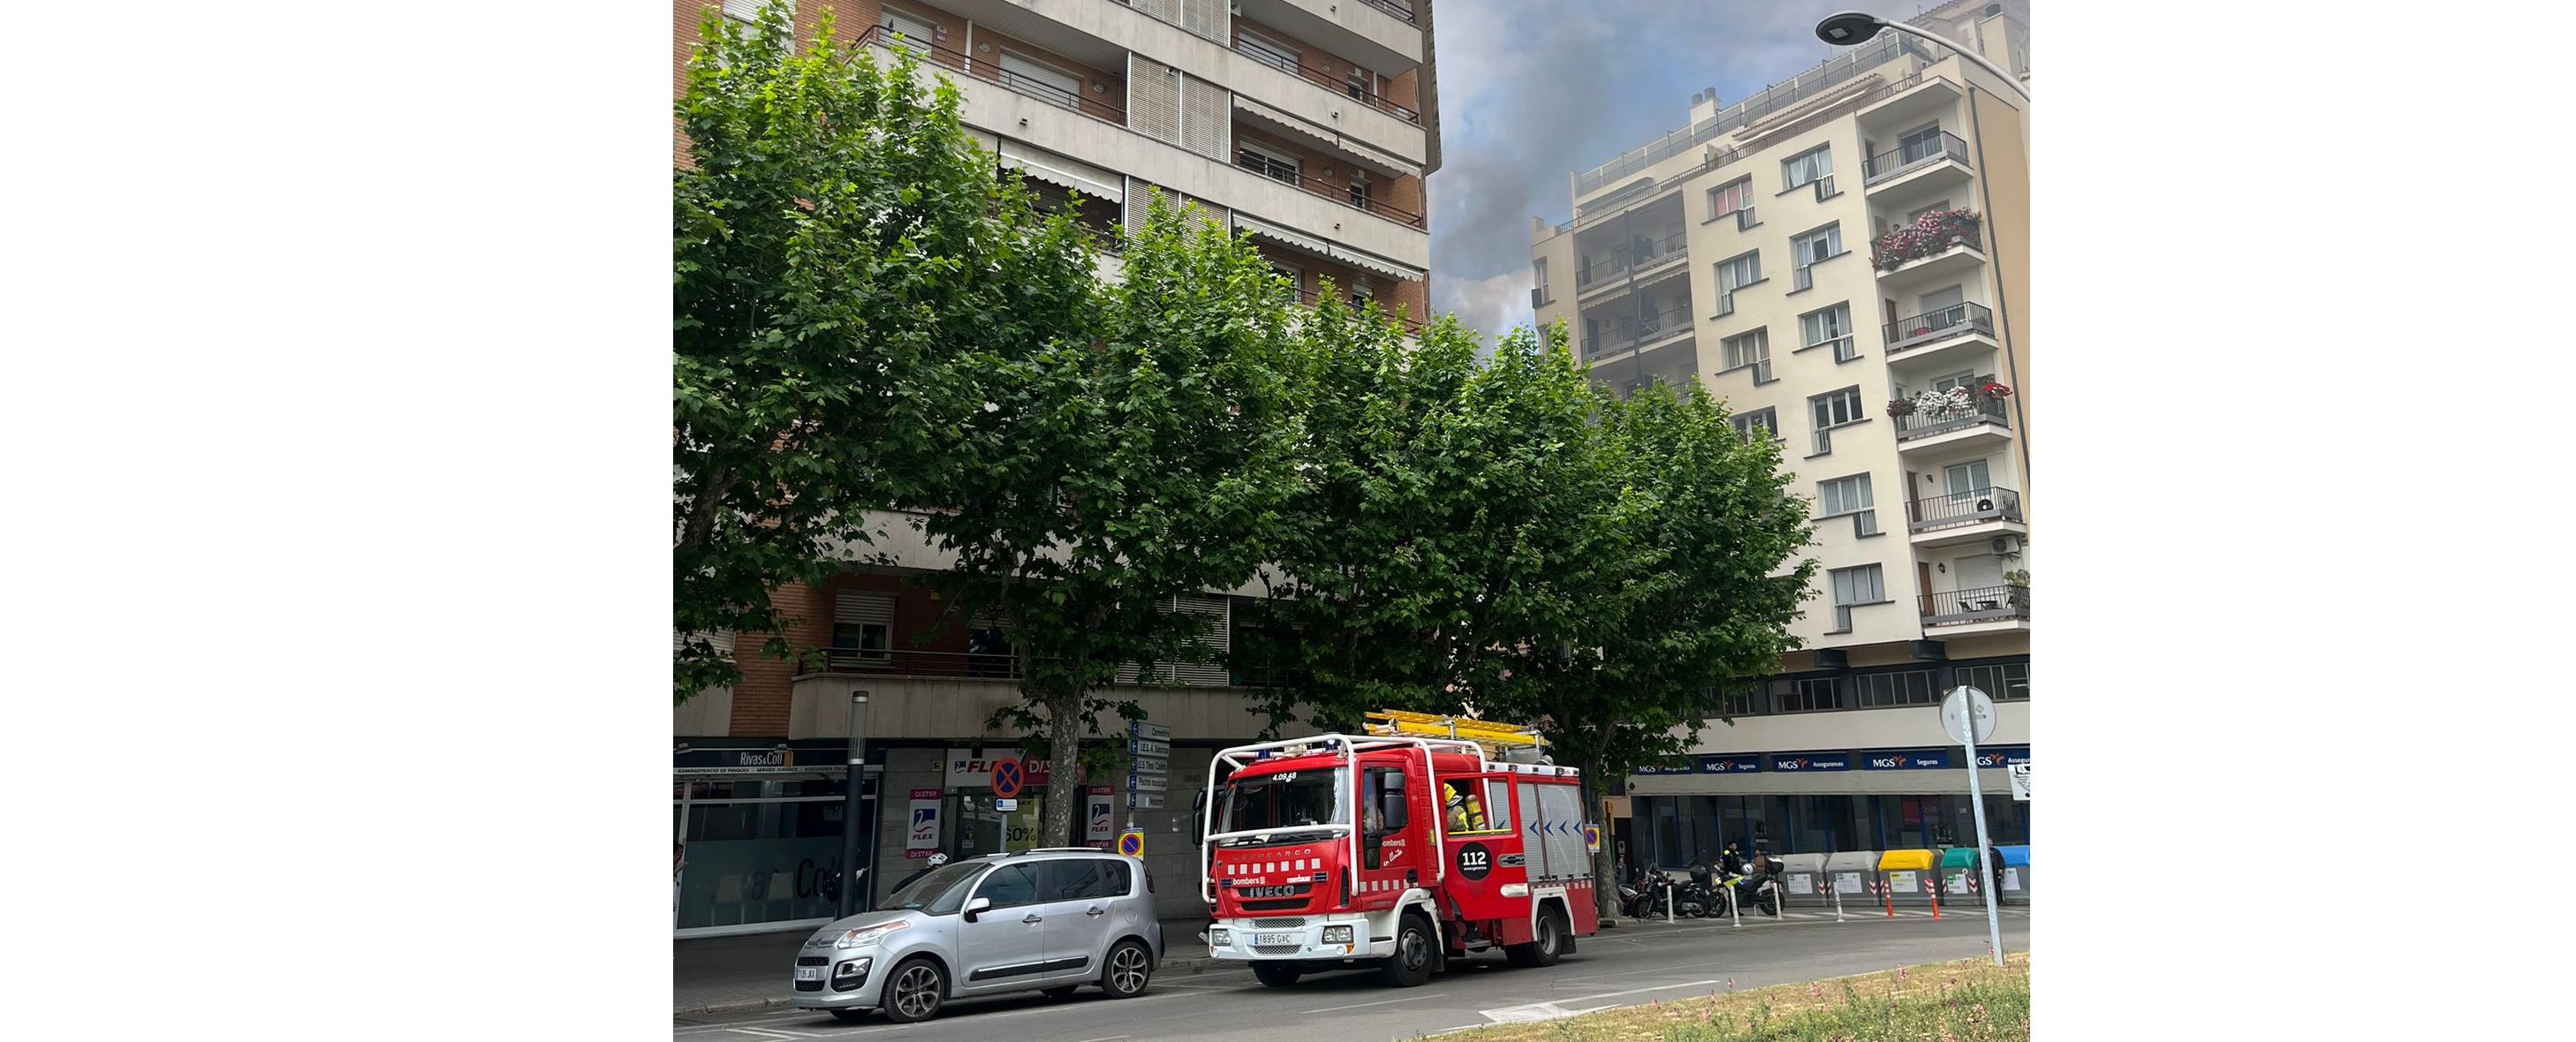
<point>1986,605</point>
<point>1956,322</point>
<point>1655,329</point>
<point>1942,160</point>
<point>1963,517</point>
<point>1953,416</point>
<point>1629,261</point>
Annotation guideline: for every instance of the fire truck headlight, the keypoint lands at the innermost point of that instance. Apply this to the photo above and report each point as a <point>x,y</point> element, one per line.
<point>1516,890</point>
<point>1337,935</point>
<point>1220,936</point>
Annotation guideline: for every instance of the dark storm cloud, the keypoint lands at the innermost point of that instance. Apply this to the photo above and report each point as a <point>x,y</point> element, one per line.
<point>1531,92</point>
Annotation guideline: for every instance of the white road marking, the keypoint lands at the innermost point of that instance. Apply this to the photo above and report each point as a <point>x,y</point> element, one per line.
<point>1537,1011</point>
<point>1357,1005</point>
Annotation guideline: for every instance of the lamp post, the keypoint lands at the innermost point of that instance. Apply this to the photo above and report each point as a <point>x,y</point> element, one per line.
<point>1850,28</point>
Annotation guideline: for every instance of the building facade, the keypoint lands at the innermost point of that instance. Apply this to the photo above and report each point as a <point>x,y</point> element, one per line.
<point>1844,259</point>
<point>1309,124</point>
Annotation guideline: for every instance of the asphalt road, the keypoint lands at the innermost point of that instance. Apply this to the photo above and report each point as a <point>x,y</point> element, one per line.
<point>1629,965</point>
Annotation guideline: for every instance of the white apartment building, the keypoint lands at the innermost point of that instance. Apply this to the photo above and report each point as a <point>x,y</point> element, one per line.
<point>1852,237</point>
<point>1308,123</point>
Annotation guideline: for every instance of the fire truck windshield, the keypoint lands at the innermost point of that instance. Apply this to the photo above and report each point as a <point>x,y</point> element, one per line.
<point>1284,800</point>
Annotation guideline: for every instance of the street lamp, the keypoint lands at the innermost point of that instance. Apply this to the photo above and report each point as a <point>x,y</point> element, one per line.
<point>1848,28</point>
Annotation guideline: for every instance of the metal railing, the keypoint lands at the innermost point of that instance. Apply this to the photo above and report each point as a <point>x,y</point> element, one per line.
<point>1888,164</point>
<point>1984,604</point>
<point>1906,334</point>
<point>992,72</point>
<point>1925,422</point>
<point>1952,510</point>
<point>1622,259</point>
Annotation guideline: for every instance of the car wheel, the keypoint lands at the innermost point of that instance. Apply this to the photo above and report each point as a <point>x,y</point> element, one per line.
<point>1411,963</point>
<point>1130,968</point>
<point>854,1013</point>
<point>1275,974</point>
<point>914,992</point>
<point>1059,992</point>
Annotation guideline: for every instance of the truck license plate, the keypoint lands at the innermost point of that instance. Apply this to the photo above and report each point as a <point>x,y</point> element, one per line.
<point>809,973</point>
<point>1274,938</point>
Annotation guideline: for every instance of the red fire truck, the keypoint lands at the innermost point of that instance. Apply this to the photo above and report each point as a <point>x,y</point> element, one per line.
<point>1402,848</point>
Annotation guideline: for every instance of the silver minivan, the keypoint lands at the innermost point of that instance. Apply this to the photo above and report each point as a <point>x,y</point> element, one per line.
<point>1048,920</point>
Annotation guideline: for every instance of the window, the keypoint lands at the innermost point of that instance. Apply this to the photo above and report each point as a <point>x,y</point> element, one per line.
<point>1727,199</point>
<point>1843,495</point>
<point>1810,695</point>
<point>1734,274</point>
<point>1830,326</point>
<point>1268,52</point>
<point>1749,349</point>
<point>1804,169</point>
<point>1766,421</point>
<point>1084,879</point>
<point>862,628</point>
<point>1822,244</point>
<point>1879,690</point>
<point>2009,681</point>
<point>1010,886</point>
<point>1852,588</point>
<point>1277,166</point>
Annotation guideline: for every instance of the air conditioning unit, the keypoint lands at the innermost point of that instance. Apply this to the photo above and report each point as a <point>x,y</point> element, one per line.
<point>2007,546</point>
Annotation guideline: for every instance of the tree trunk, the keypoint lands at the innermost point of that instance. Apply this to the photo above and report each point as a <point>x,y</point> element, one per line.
<point>1064,767</point>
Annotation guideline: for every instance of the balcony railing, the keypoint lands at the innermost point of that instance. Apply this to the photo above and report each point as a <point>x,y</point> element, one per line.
<point>1889,164</point>
<point>1942,417</point>
<point>991,72</point>
<point>1956,509</point>
<point>1929,235</point>
<point>1653,326</point>
<point>1987,604</point>
<point>1906,334</point>
<point>1623,259</point>
<point>1288,174</point>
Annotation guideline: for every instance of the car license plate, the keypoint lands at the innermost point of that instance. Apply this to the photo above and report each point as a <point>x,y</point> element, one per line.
<point>1274,938</point>
<point>809,973</point>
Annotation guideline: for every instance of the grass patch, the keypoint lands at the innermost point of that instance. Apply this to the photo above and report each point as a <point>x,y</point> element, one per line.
<point>1971,1000</point>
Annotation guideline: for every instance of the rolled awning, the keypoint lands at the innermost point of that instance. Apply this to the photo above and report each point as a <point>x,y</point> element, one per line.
<point>1065,172</point>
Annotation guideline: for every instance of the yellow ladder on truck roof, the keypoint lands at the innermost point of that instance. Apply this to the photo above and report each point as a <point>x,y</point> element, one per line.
<point>1432,725</point>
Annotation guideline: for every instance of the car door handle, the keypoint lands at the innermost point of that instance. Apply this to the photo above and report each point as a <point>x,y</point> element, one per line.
<point>1033,919</point>
<point>1096,912</point>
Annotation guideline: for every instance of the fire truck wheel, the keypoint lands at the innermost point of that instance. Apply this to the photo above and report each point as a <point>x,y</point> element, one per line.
<point>1546,946</point>
<point>1410,966</point>
<point>1275,974</point>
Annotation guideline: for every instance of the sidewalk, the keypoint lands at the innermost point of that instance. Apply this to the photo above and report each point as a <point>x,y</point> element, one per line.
<point>719,974</point>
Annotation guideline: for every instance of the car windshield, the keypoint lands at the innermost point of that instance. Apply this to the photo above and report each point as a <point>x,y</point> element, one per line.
<point>1285,800</point>
<point>941,891</point>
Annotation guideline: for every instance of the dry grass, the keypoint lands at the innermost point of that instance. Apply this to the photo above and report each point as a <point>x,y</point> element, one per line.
<point>1971,1000</point>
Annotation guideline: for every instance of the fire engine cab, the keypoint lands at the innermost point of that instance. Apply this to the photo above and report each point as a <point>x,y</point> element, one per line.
<point>1427,839</point>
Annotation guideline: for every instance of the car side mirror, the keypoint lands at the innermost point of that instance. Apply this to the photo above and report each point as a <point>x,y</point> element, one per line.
<point>977,905</point>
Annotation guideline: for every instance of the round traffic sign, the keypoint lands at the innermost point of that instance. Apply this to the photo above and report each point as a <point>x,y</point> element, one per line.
<point>1963,706</point>
<point>1008,777</point>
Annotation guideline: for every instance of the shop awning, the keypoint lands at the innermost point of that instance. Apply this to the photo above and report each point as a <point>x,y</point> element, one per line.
<point>1068,173</point>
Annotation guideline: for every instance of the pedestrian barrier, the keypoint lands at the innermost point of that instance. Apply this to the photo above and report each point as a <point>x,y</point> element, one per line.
<point>2016,862</point>
<point>1802,880</point>
<point>1905,877</point>
<point>1853,877</point>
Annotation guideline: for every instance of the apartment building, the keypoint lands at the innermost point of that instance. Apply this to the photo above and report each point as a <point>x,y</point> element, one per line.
<point>1309,124</point>
<point>1844,258</point>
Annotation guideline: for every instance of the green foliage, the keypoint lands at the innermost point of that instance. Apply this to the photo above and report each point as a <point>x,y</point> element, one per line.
<point>845,264</point>
<point>1114,473</point>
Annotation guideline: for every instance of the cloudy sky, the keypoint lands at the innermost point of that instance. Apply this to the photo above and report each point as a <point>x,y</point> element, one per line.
<point>1533,90</point>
